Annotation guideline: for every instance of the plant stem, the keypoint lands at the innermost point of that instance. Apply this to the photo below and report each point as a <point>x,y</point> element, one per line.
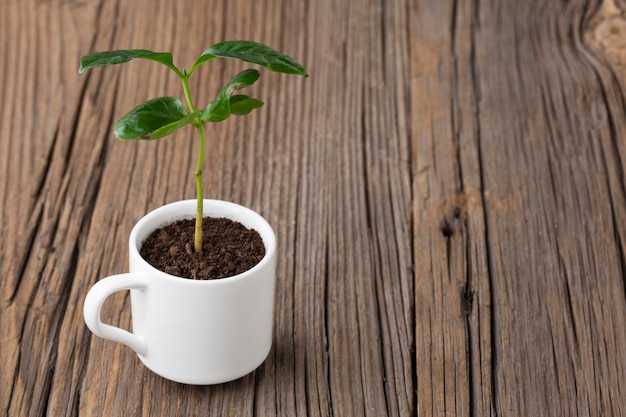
<point>199,166</point>
<point>185,79</point>
<point>199,194</point>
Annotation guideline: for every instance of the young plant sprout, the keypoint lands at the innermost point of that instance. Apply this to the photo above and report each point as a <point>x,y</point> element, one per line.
<point>163,116</point>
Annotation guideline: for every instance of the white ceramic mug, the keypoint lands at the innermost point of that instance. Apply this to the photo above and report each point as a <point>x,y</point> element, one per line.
<point>193,331</point>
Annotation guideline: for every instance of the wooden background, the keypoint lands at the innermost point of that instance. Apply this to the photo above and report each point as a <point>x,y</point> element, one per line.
<point>448,189</point>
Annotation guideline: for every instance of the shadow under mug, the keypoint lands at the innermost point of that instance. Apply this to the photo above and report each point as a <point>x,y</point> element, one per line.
<point>193,331</point>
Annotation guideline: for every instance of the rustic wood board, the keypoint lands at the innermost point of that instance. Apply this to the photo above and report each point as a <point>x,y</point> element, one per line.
<point>447,188</point>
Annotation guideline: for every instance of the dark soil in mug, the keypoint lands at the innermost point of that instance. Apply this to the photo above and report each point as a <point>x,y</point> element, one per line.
<point>229,248</point>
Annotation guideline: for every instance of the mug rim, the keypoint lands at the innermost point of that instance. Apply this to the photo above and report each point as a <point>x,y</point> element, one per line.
<point>151,220</point>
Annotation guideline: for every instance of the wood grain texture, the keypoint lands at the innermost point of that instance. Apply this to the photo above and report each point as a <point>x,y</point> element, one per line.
<point>518,151</point>
<point>447,188</point>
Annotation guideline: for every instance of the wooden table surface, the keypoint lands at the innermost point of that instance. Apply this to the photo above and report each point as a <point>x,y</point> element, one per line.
<point>448,188</point>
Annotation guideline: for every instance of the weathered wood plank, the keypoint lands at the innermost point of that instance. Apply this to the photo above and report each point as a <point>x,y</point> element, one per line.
<point>453,292</point>
<point>567,255</point>
<point>518,212</point>
<point>43,220</point>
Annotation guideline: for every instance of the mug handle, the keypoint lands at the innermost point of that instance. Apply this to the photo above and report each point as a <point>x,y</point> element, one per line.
<point>93,304</point>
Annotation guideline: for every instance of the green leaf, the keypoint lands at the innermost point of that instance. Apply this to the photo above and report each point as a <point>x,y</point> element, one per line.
<point>153,119</point>
<point>100,59</point>
<point>241,105</point>
<point>219,109</point>
<point>252,52</point>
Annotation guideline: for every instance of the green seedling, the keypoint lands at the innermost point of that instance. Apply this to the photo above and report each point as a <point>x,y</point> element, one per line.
<point>163,116</point>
